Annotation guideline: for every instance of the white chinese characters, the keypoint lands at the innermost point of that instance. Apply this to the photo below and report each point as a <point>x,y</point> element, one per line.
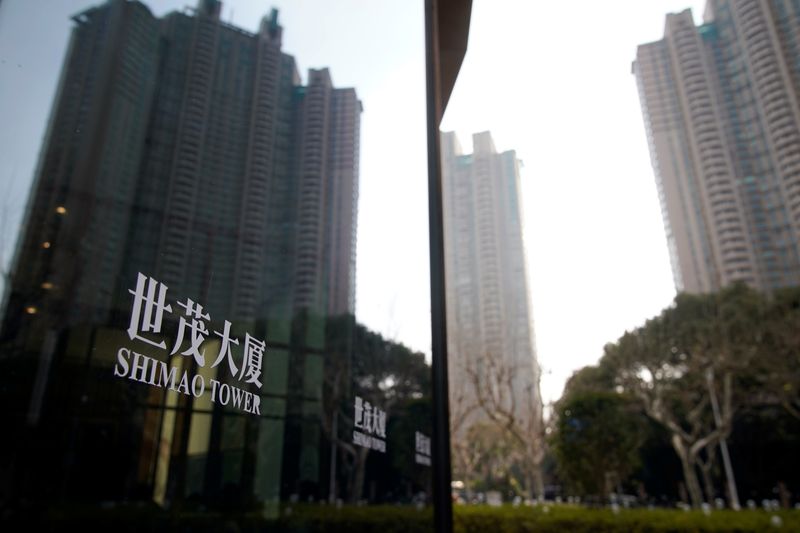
<point>370,425</point>
<point>148,310</point>
<point>145,296</point>
<point>197,328</point>
<point>225,348</point>
<point>147,315</point>
<point>369,418</point>
<point>253,352</point>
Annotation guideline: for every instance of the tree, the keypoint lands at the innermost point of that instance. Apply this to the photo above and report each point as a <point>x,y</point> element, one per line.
<point>596,440</point>
<point>599,378</point>
<point>493,458</point>
<point>779,370</point>
<point>465,452</point>
<point>382,372</point>
<point>738,348</point>
<point>514,405</point>
<point>680,362</point>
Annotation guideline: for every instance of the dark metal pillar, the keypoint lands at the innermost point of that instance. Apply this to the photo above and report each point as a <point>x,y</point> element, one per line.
<point>442,500</point>
<point>446,31</point>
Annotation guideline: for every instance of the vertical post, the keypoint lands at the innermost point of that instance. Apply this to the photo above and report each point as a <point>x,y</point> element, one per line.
<point>723,444</point>
<point>442,499</point>
<point>334,438</point>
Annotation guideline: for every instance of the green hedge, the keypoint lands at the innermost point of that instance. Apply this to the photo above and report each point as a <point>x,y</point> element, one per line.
<point>309,518</point>
<point>578,520</point>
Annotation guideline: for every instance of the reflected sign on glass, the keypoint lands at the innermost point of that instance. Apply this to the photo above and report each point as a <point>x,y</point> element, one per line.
<point>198,291</point>
<point>147,316</point>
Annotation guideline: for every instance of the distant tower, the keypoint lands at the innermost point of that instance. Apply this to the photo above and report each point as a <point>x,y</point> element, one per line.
<point>722,114</point>
<point>488,303</point>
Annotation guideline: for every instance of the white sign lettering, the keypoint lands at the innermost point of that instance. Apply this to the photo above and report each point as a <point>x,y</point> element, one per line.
<point>150,322</point>
<point>147,315</point>
<point>371,421</point>
<point>423,449</point>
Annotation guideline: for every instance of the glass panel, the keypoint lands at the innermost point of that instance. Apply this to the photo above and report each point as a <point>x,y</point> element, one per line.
<point>217,305</point>
<point>676,388</point>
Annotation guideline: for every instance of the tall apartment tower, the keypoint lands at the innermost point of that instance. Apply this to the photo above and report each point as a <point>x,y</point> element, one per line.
<point>188,149</point>
<point>327,162</point>
<point>488,304</point>
<point>721,105</point>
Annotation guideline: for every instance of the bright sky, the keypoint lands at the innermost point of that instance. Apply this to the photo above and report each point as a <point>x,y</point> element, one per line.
<point>550,80</point>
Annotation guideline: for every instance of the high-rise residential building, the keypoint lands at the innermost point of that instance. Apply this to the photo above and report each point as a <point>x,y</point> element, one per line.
<point>200,160</point>
<point>188,150</point>
<point>489,320</point>
<point>721,105</point>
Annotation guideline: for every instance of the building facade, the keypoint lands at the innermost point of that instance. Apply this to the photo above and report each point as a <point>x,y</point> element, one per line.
<point>721,105</point>
<point>199,152</point>
<point>489,320</point>
<point>192,222</point>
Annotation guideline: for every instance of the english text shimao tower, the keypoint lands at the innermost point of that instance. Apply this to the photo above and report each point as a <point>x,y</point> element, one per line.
<point>722,113</point>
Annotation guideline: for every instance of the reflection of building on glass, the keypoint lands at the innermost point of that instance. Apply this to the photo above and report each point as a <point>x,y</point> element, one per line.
<point>186,149</point>
<point>488,305</point>
<point>722,114</point>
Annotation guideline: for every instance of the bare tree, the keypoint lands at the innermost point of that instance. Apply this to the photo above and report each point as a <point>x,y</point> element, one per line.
<point>463,409</point>
<point>513,404</point>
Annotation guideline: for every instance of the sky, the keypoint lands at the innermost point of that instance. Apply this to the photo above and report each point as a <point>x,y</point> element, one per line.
<point>551,80</point>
